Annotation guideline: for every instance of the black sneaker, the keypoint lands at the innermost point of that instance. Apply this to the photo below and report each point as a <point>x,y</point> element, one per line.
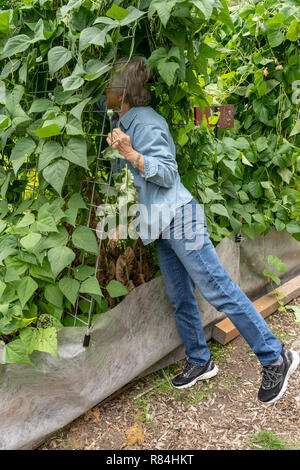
<point>275,378</point>
<point>192,372</point>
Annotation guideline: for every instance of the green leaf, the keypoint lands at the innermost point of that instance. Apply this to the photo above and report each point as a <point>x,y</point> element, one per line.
<point>116,289</point>
<point>76,151</point>
<point>275,262</point>
<point>71,5</point>
<point>92,35</point>
<point>292,32</point>
<point>15,353</point>
<point>23,148</point>
<point>293,227</point>
<point>224,16</point>
<point>25,289</point>
<point>42,272</point>
<point>279,225</point>
<point>76,202</point>
<point>94,69</point>
<point>8,247</point>
<point>91,286</point>
<point>47,320</point>
<point>271,276</point>
<point>285,174</point>
<point>82,272</point>
<point>84,238</point>
<point>117,13</point>
<point>77,110</point>
<point>275,38</point>
<point>4,121</point>
<point>70,216</point>
<point>10,276</point>
<point>40,106</point>
<point>261,144</point>
<point>50,310</point>
<point>205,6</point>
<point>245,160</point>
<point>30,241</point>
<point>133,15</point>
<point>163,9</point>
<point>60,257</point>
<point>219,209</point>
<point>47,131</point>
<point>3,285</point>
<point>74,126</point>
<point>45,220</point>
<point>28,219</point>
<point>296,310</point>
<point>57,57</point>
<point>167,71</point>
<point>14,45</point>
<point>54,239</point>
<point>39,339</point>
<point>50,151</point>
<point>70,288</point>
<point>73,82</point>
<point>249,231</point>
<point>53,295</point>
<point>5,17</point>
<point>276,20</point>
<point>55,174</point>
<point>296,128</point>
<point>255,189</point>
<point>156,57</point>
<point>231,165</point>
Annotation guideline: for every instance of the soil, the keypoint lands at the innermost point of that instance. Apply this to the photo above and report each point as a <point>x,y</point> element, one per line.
<point>219,413</point>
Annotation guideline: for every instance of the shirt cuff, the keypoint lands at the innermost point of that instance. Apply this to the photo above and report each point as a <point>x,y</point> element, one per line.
<point>150,166</point>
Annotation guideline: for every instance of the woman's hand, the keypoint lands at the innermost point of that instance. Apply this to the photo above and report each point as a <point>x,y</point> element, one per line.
<point>121,142</point>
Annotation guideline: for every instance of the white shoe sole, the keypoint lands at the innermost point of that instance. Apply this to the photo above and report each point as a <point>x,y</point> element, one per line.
<point>207,375</point>
<point>293,367</point>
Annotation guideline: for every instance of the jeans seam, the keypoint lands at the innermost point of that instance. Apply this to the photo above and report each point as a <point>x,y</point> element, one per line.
<point>184,297</point>
<point>243,308</point>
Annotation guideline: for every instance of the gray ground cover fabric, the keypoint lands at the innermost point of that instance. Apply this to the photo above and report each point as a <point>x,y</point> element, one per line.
<point>133,339</point>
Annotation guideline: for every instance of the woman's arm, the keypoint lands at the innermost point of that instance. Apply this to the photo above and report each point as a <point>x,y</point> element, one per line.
<point>157,163</point>
<point>122,143</point>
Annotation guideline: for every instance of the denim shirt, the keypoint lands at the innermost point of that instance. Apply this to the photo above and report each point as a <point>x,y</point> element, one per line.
<point>159,189</point>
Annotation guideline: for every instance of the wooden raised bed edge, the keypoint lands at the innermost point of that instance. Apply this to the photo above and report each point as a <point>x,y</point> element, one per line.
<point>225,331</point>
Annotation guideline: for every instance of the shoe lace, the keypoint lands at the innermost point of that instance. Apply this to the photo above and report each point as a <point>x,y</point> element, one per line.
<point>271,377</point>
<point>187,369</point>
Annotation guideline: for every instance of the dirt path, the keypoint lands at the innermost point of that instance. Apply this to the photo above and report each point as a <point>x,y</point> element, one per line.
<point>220,413</point>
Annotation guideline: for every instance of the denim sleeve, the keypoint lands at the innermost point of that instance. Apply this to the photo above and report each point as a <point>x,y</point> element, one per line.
<point>160,164</point>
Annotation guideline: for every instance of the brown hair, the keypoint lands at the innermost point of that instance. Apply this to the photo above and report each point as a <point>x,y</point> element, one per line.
<point>132,75</point>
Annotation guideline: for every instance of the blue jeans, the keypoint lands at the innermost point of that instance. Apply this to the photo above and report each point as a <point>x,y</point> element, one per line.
<point>185,267</point>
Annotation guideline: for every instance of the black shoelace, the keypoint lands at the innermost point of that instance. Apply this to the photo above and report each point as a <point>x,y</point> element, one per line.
<point>187,369</point>
<point>271,377</point>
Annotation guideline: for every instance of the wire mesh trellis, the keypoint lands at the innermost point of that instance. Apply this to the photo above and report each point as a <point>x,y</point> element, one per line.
<point>32,173</point>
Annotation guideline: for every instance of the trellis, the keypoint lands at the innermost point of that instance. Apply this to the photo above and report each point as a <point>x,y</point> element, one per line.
<point>31,187</point>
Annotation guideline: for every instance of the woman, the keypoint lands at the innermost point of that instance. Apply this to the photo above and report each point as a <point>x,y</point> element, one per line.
<point>144,140</point>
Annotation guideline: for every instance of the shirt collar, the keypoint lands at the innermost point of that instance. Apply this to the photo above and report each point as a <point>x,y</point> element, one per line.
<point>128,117</point>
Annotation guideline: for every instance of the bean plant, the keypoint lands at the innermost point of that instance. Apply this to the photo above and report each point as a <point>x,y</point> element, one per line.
<point>56,58</point>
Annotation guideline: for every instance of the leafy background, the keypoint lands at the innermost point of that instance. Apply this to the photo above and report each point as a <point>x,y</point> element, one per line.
<point>55,60</point>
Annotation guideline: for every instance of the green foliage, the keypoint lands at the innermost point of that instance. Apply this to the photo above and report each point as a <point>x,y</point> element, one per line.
<point>55,61</point>
<point>248,179</point>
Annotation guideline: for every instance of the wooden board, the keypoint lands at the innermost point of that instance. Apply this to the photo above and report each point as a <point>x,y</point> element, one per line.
<point>226,118</point>
<point>225,331</point>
